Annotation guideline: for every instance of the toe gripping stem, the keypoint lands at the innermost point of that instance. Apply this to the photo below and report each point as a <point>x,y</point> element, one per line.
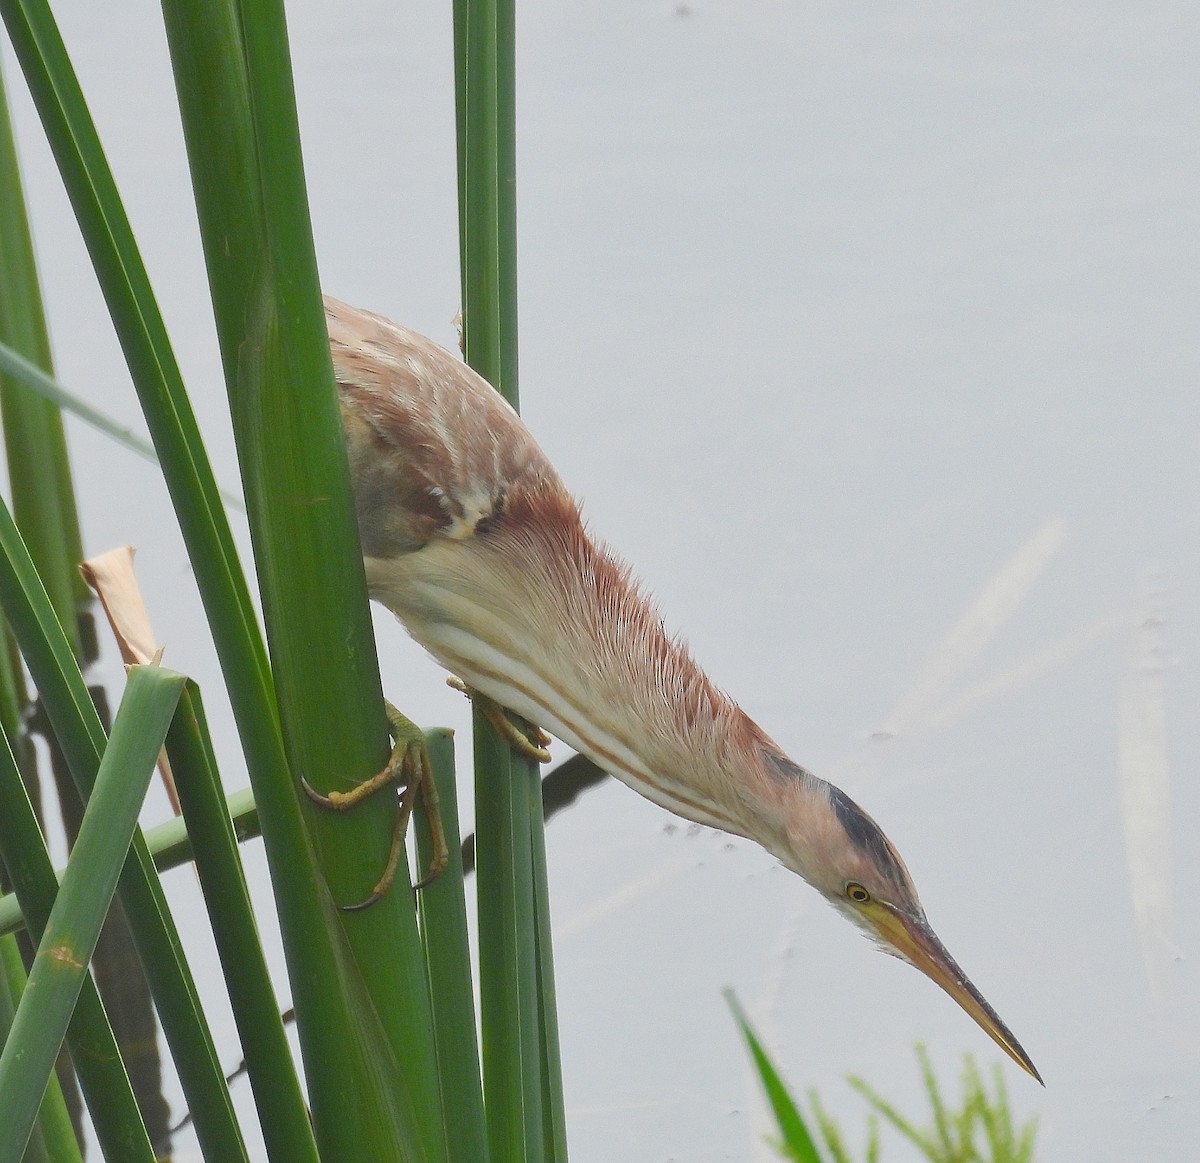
<point>491,710</point>
<point>407,765</point>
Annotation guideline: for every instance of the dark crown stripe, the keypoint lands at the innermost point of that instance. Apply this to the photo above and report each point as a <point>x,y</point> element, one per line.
<point>866,836</point>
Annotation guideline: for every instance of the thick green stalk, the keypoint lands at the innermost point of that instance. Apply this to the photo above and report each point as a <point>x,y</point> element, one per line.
<point>554,1119</point>
<point>508,961</point>
<point>372,1074</point>
<point>520,1058</point>
<point>66,947</point>
<point>487,212</point>
<point>443,913</point>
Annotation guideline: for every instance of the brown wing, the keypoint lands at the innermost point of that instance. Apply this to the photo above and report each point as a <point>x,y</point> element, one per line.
<point>433,449</point>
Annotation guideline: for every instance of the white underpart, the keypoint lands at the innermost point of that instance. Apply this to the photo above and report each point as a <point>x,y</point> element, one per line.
<point>507,667</point>
<point>517,687</point>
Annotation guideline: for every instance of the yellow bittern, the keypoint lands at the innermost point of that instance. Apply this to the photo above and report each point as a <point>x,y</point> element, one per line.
<point>471,539</point>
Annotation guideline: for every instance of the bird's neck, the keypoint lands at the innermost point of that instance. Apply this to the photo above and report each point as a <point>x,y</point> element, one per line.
<point>541,619</point>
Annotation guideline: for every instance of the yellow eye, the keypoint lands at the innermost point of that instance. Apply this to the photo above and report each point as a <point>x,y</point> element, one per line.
<point>857,893</point>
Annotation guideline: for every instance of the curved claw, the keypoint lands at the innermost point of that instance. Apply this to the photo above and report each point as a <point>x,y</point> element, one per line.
<point>366,903</point>
<point>316,797</point>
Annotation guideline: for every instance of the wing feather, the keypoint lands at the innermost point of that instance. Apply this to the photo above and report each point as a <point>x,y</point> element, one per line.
<point>434,449</point>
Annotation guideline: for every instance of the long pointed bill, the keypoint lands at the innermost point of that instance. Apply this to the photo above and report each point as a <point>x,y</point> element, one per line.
<point>914,940</point>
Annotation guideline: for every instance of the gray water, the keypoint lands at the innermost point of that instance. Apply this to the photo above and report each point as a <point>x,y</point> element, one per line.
<point>868,333</point>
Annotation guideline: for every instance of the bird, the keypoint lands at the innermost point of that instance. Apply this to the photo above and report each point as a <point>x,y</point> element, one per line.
<point>471,539</point>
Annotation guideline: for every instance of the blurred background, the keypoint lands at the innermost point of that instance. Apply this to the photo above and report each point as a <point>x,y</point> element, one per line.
<point>868,334</point>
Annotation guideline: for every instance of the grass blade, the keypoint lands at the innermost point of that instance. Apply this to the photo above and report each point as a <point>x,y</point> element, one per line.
<point>12,985</point>
<point>69,940</point>
<point>42,495</point>
<point>952,1139</point>
<point>79,732</point>
<point>906,1127</point>
<point>102,1077</point>
<point>443,914</point>
<point>941,1118</point>
<point>53,1139</point>
<point>168,844</point>
<point>14,365</point>
<point>831,1132</point>
<point>283,1115</point>
<point>30,376</point>
<point>797,1142</point>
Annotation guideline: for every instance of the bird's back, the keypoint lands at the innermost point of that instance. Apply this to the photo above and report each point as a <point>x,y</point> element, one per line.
<point>434,450</point>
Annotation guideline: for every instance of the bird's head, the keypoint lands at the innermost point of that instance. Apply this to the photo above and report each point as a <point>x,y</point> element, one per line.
<point>831,842</point>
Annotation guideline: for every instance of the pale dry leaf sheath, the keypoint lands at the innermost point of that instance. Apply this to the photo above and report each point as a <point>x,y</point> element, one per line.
<point>112,578</point>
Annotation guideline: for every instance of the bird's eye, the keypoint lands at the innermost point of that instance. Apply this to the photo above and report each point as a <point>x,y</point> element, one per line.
<point>857,893</point>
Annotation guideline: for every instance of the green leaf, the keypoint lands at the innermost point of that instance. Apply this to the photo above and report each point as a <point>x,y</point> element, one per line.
<point>443,914</point>
<point>521,1072</point>
<point>81,736</point>
<point>102,1077</point>
<point>53,1139</point>
<point>797,1142</point>
<point>43,500</point>
<point>277,1093</point>
<point>169,846</point>
<point>66,947</point>
<point>16,366</point>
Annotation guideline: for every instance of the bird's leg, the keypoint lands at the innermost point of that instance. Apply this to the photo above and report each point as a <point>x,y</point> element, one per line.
<point>491,710</point>
<point>408,764</point>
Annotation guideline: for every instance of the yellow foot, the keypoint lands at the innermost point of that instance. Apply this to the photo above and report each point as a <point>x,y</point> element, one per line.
<point>491,710</point>
<point>407,765</point>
